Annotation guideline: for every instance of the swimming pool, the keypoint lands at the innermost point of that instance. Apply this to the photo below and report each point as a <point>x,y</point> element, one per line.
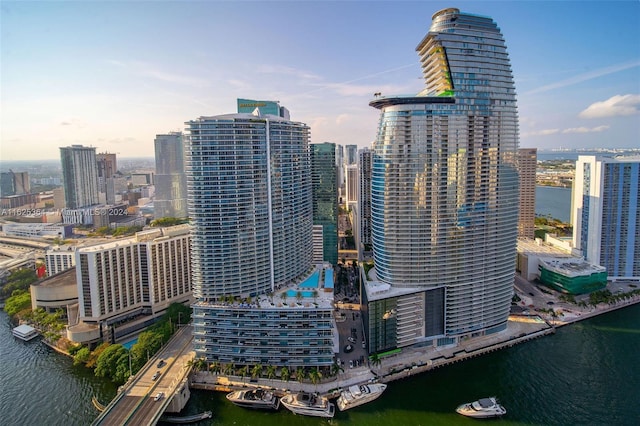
<point>293,293</point>
<point>130,343</point>
<point>312,281</point>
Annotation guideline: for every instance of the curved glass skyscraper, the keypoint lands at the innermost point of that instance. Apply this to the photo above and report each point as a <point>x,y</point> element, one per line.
<point>249,200</point>
<point>445,191</point>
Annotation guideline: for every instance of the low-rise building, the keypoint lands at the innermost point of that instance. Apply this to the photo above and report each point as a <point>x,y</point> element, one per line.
<point>55,292</point>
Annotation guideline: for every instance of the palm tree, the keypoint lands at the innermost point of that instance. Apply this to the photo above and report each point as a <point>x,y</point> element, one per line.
<point>285,374</point>
<point>375,360</point>
<point>300,374</point>
<point>315,375</point>
<point>228,369</point>
<point>299,296</point>
<point>336,368</point>
<point>271,372</point>
<point>216,367</point>
<point>256,371</point>
<point>243,371</point>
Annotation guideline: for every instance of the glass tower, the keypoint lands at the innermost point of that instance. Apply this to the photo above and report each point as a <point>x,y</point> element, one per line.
<point>80,175</point>
<point>249,201</point>
<point>170,180</point>
<point>445,189</point>
<point>325,197</point>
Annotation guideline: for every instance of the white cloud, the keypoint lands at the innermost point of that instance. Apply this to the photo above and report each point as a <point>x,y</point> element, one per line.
<point>146,69</point>
<point>617,105</point>
<point>342,118</point>
<point>586,129</point>
<point>585,77</point>
<point>544,132</point>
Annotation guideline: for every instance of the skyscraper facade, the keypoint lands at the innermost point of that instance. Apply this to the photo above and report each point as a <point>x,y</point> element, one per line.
<point>351,157</point>
<point>80,176</point>
<point>324,178</point>
<point>170,178</point>
<point>606,213</point>
<point>107,168</point>
<point>250,204</point>
<point>365,159</point>
<point>445,193</point>
<point>527,163</point>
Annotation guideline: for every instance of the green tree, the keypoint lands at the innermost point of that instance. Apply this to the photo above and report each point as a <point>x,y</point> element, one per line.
<point>300,374</point>
<point>243,371</point>
<point>271,372</point>
<point>113,363</point>
<point>285,374</point>
<point>315,376</point>
<point>82,356</point>
<point>256,371</point>
<point>375,359</point>
<point>19,301</point>
<point>227,369</point>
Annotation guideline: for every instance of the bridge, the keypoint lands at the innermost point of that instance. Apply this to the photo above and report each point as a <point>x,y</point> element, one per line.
<point>136,403</point>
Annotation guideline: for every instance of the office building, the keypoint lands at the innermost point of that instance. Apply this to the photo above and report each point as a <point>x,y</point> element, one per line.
<point>107,168</point>
<point>351,185</point>
<point>351,157</point>
<point>170,179</point>
<point>365,160</point>
<point>80,176</point>
<point>324,178</point>
<point>14,183</point>
<point>59,258</point>
<point>606,213</point>
<point>444,193</point>
<point>527,162</point>
<point>250,204</point>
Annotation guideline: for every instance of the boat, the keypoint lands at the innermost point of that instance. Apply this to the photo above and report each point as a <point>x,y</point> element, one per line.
<point>255,398</point>
<point>482,408</point>
<point>25,332</point>
<point>308,404</point>
<point>186,419</point>
<point>359,394</point>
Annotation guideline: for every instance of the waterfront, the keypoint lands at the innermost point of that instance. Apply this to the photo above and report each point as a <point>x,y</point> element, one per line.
<point>553,201</point>
<point>584,374</point>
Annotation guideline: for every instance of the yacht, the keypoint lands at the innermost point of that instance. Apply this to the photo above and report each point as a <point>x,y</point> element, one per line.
<point>309,404</point>
<point>482,408</point>
<point>359,394</point>
<point>255,398</point>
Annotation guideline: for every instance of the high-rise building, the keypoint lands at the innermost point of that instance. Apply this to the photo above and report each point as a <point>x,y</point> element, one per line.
<point>80,176</point>
<point>170,178</point>
<point>351,157</point>
<point>250,204</point>
<point>365,160</point>
<point>107,168</point>
<point>351,185</point>
<point>527,162</point>
<point>14,183</point>
<point>140,275</point>
<point>606,213</point>
<point>325,197</point>
<point>444,193</point>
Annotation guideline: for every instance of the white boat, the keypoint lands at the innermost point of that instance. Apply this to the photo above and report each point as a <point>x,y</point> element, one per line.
<point>255,398</point>
<point>308,404</point>
<point>359,394</point>
<point>25,332</point>
<point>482,408</point>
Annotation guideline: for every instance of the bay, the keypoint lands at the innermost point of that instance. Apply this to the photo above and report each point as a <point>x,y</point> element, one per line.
<point>553,202</point>
<point>587,374</point>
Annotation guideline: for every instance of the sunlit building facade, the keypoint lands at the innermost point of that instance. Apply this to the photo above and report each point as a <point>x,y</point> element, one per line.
<point>606,213</point>
<point>444,193</point>
<point>527,163</point>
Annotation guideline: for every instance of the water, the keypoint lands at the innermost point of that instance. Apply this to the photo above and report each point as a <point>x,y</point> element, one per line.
<point>554,202</point>
<point>587,374</point>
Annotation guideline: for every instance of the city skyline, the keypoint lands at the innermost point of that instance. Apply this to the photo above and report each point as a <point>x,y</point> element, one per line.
<point>576,66</point>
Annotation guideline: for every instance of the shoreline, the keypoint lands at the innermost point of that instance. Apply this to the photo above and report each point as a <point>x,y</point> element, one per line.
<point>410,362</point>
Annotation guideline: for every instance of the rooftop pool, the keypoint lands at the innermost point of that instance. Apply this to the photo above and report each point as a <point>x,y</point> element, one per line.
<point>312,281</point>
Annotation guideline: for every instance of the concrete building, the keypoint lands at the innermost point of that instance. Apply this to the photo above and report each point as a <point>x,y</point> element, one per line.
<point>364,242</point>
<point>58,291</point>
<point>527,162</point>
<point>251,206</point>
<point>606,213</point>
<point>444,193</point>
<point>351,156</point>
<point>170,180</point>
<point>324,179</point>
<point>37,230</point>
<point>107,168</point>
<point>130,278</point>
<point>351,185</point>
<point>80,176</point>
<point>14,183</point>
<point>59,258</point>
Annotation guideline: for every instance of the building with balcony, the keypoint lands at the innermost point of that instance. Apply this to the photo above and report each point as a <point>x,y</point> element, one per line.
<point>325,197</point>
<point>444,193</point>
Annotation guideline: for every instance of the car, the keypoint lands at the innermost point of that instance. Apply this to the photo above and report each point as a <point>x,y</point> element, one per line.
<point>155,376</point>
<point>159,396</point>
<point>351,339</point>
<point>364,344</point>
<point>161,363</point>
<point>348,349</point>
<point>338,361</point>
<point>549,302</point>
<point>530,294</point>
<point>350,363</point>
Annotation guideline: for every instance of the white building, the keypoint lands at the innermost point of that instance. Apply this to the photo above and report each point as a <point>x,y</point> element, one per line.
<point>606,213</point>
<point>59,258</point>
<point>80,176</point>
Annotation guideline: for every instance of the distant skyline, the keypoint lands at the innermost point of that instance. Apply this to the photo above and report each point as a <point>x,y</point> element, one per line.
<point>114,74</point>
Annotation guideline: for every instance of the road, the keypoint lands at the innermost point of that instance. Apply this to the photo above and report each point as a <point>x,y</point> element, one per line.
<point>136,404</point>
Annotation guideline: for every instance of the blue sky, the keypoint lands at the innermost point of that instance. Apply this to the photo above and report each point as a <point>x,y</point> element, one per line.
<point>114,74</point>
